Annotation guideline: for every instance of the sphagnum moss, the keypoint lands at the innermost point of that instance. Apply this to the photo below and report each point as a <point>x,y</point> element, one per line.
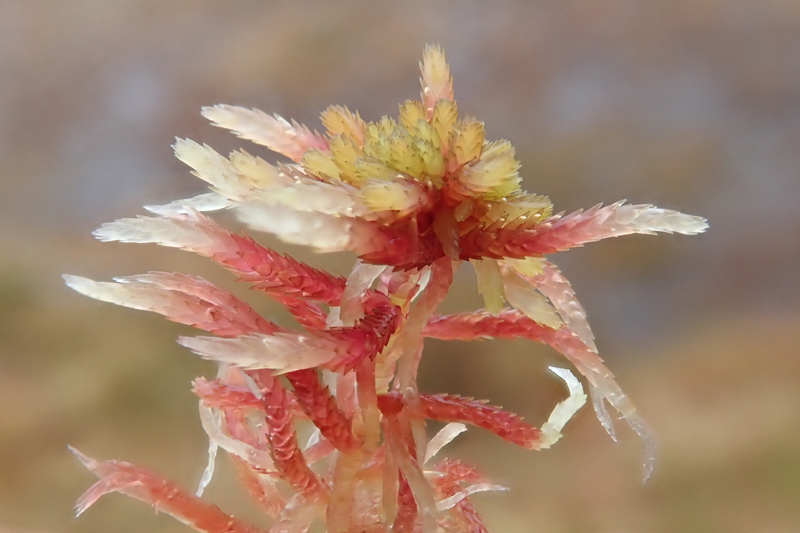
<point>412,198</point>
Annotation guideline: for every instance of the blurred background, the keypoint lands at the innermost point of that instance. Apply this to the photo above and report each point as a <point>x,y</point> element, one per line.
<point>688,104</point>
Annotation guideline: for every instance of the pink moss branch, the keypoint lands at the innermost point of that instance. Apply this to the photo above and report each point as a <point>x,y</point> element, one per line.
<point>184,299</point>
<point>411,198</point>
<point>283,444</point>
<point>320,406</point>
<point>163,495</point>
<point>272,131</point>
<point>308,314</point>
<point>450,408</point>
<point>581,227</point>
<point>195,232</point>
<point>368,337</point>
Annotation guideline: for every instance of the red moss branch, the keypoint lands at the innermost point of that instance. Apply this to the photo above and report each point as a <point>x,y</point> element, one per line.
<point>369,336</point>
<point>189,300</point>
<point>284,448</point>
<point>454,472</point>
<point>309,314</point>
<point>451,408</point>
<point>163,495</point>
<point>274,272</point>
<point>320,406</point>
<point>514,324</point>
<point>220,395</point>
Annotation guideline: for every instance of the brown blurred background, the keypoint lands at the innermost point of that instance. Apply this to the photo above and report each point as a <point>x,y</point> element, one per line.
<point>688,104</point>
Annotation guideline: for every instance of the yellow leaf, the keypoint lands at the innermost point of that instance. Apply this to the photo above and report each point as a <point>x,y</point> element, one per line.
<point>522,211</point>
<point>259,173</point>
<point>433,164</point>
<point>320,164</point>
<point>424,131</point>
<point>403,153</point>
<point>376,139</point>
<point>495,173</point>
<point>345,154</point>
<point>339,120</point>
<point>389,195</point>
<point>523,296</point>
<point>490,284</point>
<point>411,112</point>
<point>445,115</point>
<point>529,267</point>
<point>469,140</point>
<point>371,169</point>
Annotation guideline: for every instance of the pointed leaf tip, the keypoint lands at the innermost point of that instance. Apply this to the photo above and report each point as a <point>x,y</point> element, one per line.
<point>87,461</point>
<point>87,499</point>
<point>75,283</point>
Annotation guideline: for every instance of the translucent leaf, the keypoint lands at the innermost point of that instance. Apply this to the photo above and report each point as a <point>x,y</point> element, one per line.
<point>564,411</point>
<point>529,267</point>
<point>177,231</point>
<point>599,405</point>
<point>423,494</point>
<point>521,295</point>
<point>212,425</point>
<point>490,284</point>
<point>557,288</point>
<point>210,201</point>
<point>181,298</point>
<point>359,281</point>
<point>444,437</point>
<point>448,503</point>
<point>208,473</point>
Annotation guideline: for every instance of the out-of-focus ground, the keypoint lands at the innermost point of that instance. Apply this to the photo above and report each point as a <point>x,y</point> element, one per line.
<point>688,104</point>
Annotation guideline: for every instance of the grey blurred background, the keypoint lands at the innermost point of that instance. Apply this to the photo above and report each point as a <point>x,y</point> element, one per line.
<point>688,104</point>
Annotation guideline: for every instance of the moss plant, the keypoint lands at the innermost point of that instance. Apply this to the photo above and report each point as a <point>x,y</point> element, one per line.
<point>412,198</point>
